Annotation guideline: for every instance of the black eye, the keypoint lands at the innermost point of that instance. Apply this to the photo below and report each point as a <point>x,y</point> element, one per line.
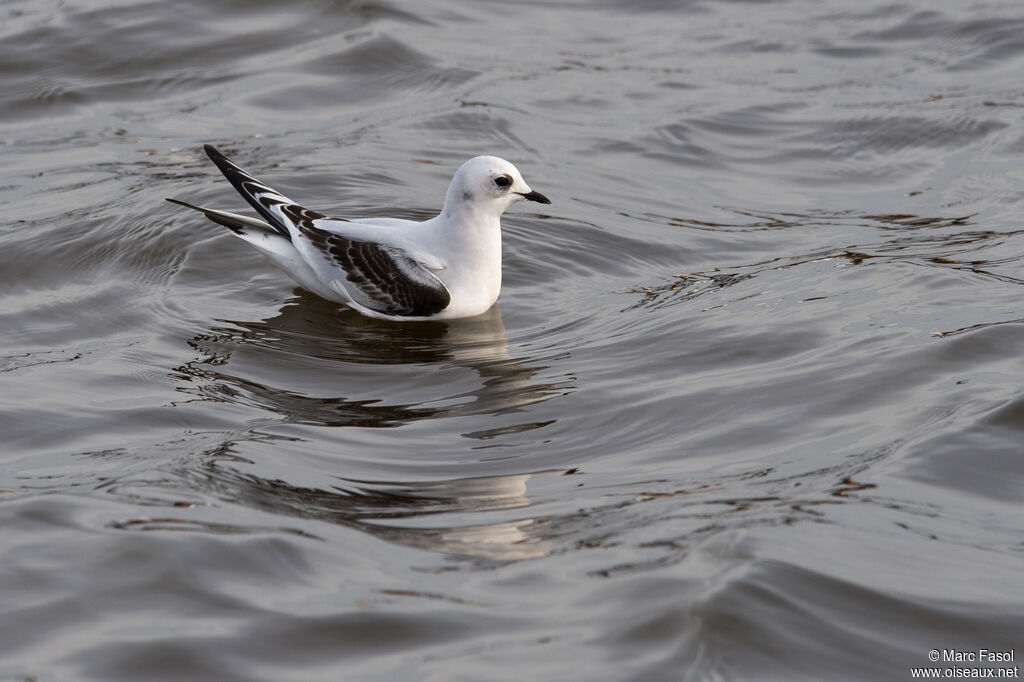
<point>503,181</point>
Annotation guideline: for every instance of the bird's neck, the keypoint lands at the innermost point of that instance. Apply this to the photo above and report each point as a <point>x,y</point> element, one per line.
<point>471,221</point>
<point>475,235</point>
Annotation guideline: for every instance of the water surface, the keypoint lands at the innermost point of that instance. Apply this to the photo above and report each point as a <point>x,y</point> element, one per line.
<point>750,405</point>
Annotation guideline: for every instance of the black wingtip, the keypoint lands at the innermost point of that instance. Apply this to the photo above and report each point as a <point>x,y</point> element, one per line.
<point>218,159</point>
<point>179,202</point>
<point>243,183</point>
<point>221,162</point>
<point>219,218</point>
<point>212,152</point>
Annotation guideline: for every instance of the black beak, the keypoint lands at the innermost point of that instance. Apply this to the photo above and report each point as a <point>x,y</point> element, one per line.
<point>535,196</point>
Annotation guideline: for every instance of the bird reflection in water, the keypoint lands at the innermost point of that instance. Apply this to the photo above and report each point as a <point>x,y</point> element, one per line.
<point>301,331</point>
<point>423,515</point>
<point>308,339</point>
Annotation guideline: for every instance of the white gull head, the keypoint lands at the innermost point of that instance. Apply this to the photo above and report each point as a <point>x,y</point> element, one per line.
<point>488,184</point>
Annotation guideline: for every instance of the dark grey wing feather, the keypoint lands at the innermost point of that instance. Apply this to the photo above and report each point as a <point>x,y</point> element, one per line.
<point>239,224</point>
<point>391,281</point>
<point>266,200</point>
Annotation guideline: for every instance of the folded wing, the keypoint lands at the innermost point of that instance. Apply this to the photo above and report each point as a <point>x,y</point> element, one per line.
<point>381,277</point>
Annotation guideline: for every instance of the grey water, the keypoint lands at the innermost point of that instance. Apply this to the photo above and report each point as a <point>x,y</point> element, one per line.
<point>750,406</point>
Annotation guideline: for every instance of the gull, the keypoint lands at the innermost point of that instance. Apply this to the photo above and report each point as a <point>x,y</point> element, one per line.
<point>439,269</point>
